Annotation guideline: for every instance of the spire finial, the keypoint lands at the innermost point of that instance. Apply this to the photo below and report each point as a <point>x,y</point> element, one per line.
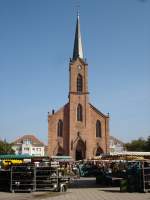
<point>78,9</point>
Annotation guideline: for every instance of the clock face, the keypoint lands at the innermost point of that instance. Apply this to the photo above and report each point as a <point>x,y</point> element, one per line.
<point>79,67</point>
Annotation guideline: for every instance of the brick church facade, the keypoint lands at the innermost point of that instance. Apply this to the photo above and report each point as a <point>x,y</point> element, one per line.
<point>78,129</point>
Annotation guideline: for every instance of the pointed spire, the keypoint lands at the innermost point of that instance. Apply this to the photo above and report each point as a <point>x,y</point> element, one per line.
<point>77,51</point>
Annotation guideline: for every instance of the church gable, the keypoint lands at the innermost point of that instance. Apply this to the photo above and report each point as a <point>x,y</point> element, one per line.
<point>58,130</point>
<point>98,111</point>
<point>58,115</point>
<point>97,121</point>
<point>58,112</point>
<point>99,128</point>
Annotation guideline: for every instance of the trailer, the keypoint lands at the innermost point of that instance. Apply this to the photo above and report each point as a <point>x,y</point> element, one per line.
<point>48,178</point>
<point>22,178</point>
<point>146,177</point>
<point>28,178</point>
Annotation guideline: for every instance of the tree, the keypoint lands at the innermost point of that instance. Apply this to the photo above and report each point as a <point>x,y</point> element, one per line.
<point>138,145</point>
<point>6,148</point>
<point>147,144</point>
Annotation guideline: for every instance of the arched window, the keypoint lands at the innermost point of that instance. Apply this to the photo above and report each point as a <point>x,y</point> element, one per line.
<point>79,83</point>
<point>79,112</point>
<point>98,129</point>
<point>60,128</point>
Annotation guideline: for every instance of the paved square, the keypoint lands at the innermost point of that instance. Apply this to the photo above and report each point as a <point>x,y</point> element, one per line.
<point>82,189</point>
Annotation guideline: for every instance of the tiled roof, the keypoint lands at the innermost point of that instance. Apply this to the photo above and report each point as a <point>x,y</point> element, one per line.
<point>32,138</point>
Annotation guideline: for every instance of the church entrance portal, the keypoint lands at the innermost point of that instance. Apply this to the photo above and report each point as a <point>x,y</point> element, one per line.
<point>80,150</point>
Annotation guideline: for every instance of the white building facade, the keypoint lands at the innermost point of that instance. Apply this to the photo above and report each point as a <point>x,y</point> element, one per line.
<point>29,145</point>
<point>115,145</point>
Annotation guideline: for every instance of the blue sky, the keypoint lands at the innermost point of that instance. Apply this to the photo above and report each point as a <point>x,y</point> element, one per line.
<point>36,42</point>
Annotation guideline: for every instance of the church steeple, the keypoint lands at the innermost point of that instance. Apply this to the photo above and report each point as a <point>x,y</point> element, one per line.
<point>77,51</point>
<point>78,69</point>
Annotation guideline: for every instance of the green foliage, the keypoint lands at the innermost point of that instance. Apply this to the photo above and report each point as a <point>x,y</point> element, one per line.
<point>147,144</point>
<point>5,148</point>
<point>138,145</point>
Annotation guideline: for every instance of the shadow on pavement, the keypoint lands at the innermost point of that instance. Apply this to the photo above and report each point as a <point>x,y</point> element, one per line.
<point>113,190</point>
<point>85,183</point>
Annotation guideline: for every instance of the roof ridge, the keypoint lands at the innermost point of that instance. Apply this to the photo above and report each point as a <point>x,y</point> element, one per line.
<point>98,111</point>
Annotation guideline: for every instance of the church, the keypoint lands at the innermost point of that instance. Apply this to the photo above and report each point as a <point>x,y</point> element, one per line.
<point>78,129</point>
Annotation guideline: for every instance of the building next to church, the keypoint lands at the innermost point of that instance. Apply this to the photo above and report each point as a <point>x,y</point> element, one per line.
<point>78,129</point>
<point>115,145</point>
<point>30,145</point>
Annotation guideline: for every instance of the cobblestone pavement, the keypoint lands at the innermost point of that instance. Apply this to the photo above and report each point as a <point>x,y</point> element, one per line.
<point>83,189</point>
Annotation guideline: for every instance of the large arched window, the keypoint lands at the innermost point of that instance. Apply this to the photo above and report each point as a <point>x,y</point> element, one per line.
<point>79,83</point>
<point>60,128</point>
<point>98,129</point>
<point>79,113</point>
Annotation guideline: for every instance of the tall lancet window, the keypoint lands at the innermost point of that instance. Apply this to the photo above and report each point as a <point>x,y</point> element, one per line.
<point>60,128</point>
<point>79,83</point>
<point>98,129</point>
<point>79,113</point>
